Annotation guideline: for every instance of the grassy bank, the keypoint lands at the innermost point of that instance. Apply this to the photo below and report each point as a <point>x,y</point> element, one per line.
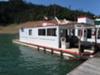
<point>11,29</point>
<point>14,28</point>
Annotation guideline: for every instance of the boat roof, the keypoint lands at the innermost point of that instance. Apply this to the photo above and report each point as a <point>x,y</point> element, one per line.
<point>70,24</point>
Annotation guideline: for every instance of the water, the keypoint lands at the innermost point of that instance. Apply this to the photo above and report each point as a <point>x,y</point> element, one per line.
<point>20,60</point>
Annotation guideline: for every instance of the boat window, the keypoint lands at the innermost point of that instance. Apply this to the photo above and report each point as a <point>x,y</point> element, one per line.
<point>30,32</point>
<point>51,31</point>
<point>99,33</point>
<point>41,32</point>
<point>89,33</point>
<point>85,34</point>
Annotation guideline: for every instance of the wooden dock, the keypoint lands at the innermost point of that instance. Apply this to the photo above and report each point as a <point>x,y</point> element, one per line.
<point>90,67</point>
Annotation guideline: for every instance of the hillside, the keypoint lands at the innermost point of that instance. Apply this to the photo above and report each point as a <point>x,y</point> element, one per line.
<point>18,11</point>
<point>14,28</point>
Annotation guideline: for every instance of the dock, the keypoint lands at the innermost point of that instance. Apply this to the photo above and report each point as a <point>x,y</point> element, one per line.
<point>90,67</point>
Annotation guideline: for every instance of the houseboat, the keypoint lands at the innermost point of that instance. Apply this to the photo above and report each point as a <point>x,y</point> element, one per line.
<point>61,34</point>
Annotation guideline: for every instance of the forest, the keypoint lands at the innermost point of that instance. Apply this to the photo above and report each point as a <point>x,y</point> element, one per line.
<point>18,11</point>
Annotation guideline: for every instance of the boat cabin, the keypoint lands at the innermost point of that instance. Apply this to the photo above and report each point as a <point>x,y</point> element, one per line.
<point>63,35</point>
<point>55,36</point>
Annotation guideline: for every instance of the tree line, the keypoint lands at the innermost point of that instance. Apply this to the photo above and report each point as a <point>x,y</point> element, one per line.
<point>18,11</point>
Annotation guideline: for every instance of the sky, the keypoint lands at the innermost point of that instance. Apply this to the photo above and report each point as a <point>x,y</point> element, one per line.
<point>85,5</point>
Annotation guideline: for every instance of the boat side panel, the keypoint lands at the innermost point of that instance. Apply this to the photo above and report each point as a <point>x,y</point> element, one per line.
<point>50,41</point>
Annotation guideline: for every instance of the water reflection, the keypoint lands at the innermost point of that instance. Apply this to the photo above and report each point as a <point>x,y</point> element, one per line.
<point>21,60</point>
<point>46,64</point>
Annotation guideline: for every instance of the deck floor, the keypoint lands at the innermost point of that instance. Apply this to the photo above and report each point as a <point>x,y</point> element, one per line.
<point>90,67</point>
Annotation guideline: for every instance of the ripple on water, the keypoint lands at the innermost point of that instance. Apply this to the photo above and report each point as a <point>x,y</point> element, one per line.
<point>21,60</point>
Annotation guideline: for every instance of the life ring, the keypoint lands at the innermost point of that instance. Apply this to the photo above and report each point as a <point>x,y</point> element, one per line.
<point>63,39</point>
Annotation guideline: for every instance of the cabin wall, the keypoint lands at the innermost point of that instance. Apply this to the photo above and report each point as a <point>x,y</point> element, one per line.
<point>49,41</point>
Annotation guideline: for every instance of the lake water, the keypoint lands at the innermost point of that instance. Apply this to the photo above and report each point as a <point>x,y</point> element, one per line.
<point>20,60</point>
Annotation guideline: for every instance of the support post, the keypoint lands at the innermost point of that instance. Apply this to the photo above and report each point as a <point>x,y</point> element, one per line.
<point>44,50</point>
<point>52,51</point>
<point>95,43</point>
<point>79,42</point>
<point>79,46</point>
<point>38,48</point>
<point>61,54</point>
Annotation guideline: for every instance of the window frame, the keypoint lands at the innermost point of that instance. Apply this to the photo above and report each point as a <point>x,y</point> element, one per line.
<point>42,32</point>
<point>89,35</point>
<point>30,31</point>
<point>51,32</point>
